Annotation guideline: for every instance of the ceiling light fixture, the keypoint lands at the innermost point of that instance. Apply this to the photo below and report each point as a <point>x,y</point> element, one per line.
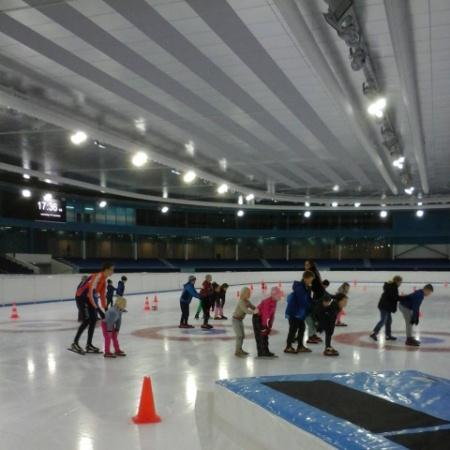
<point>47,197</point>
<point>165,209</point>
<point>190,148</point>
<point>222,189</point>
<point>78,137</point>
<point>250,197</point>
<point>419,213</point>
<point>335,204</point>
<point>140,125</point>
<point>336,188</point>
<point>26,176</point>
<point>189,176</point>
<point>307,204</point>
<point>240,200</point>
<point>103,204</point>
<point>357,204</point>
<point>399,163</point>
<point>383,214</point>
<point>240,213</point>
<point>26,193</point>
<point>139,159</point>
<point>223,164</point>
<point>307,214</point>
<point>419,203</point>
<point>409,190</point>
<point>377,107</point>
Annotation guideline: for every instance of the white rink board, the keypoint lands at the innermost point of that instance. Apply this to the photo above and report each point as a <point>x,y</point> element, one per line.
<point>37,288</point>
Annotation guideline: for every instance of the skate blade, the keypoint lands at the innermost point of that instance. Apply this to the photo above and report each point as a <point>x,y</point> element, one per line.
<point>74,351</point>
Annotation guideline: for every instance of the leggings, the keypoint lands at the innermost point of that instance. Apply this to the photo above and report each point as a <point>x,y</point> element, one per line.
<point>184,313</point>
<point>206,307</point>
<point>110,335</point>
<point>89,320</point>
<point>329,330</point>
<point>262,341</point>
<point>296,326</point>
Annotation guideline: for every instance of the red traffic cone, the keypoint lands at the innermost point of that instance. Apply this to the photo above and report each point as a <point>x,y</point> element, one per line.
<point>146,411</point>
<point>14,313</point>
<point>155,303</point>
<point>147,304</point>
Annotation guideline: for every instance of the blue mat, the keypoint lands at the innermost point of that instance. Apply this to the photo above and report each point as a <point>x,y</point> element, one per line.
<point>415,390</point>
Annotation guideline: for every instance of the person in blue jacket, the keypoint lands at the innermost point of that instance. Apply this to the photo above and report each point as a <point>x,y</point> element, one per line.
<point>121,286</point>
<point>410,308</point>
<point>188,292</point>
<point>299,304</point>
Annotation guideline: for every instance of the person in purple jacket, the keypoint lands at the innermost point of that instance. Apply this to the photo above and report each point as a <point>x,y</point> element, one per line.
<point>410,308</point>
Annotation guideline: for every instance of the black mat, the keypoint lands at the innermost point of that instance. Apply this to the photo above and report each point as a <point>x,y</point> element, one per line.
<point>430,440</point>
<point>364,410</point>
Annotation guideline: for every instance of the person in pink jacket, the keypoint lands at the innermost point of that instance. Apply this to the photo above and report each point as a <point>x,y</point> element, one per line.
<point>263,321</point>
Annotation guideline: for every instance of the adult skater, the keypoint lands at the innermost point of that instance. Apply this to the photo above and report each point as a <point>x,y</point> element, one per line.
<point>317,291</point>
<point>188,292</point>
<point>120,291</point>
<point>79,301</point>
<point>89,292</point>
<point>263,321</point>
<point>387,306</point>
<point>299,304</point>
<point>410,308</point>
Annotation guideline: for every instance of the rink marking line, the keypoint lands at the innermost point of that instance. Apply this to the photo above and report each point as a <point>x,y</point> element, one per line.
<point>354,339</point>
<point>416,430</point>
<point>165,291</point>
<point>413,389</point>
<point>35,326</point>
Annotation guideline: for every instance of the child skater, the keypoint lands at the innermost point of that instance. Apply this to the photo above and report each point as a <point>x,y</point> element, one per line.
<point>410,308</point>
<point>111,327</point>
<point>121,286</point>
<point>243,307</point>
<point>263,321</point>
<point>326,314</point>
<point>206,293</point>
<point>299,304</point>
<point>344,288</point>
<point>110,289</point>
<point>220,303</point>
<point>387,306</point>
<point>188,292</point>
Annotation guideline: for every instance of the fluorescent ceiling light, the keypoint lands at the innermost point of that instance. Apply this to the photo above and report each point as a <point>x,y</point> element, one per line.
<point>78,137</point>
<point>409,190</point>
<point>250,197</point>
<point>26,193</point>
<point>190,148</point>
<point>189,176</point>
<point>335,204</point>
<point>240,213</point>
<point>307,204</point>
<point>377,107</point>
<point>139,159</point>
<point>165,209</point>
<point>222,189</point>
<point>26,176</point>
<point>357,204</point>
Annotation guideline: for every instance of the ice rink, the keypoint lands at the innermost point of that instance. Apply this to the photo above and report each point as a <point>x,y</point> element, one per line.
<point>53,399</point>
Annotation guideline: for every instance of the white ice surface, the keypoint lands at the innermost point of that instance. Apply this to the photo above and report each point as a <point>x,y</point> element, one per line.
<point>54,399</point>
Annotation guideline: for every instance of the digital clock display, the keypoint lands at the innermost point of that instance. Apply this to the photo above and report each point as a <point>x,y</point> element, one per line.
<point>51,209</point>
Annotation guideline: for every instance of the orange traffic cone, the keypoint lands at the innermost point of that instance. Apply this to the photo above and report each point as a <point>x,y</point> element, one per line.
<point>14,313</point>
<point>147,411</point>
<point>147,304</point>
<point>155,303</point>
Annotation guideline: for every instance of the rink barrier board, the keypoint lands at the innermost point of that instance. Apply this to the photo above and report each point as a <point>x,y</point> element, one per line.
<point>415,390</point>
<point>255,283</point>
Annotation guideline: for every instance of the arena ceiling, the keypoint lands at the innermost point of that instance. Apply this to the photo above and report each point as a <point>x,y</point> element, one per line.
<point>256,94</point>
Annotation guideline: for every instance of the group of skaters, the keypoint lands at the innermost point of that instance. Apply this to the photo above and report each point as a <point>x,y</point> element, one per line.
<point>95,301</point>
<point>310,307</point>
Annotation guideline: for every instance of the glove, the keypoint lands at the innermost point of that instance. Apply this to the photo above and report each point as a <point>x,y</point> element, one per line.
<point>100,313</point>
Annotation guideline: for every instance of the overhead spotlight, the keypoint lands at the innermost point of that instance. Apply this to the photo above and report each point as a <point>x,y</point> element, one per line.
<point>240,200</point>
<point>419,203</point>
<point>335,204</point>
<point>175,172</point>
<point>377,107</point>
<point>165,209</point>
<point>399,163</point>
<point>140,125</point>
<point>222,189</point>
<point>419,213</point>
<point>307,214</point>
<point>26,176</point>
<point>103,204</point>
<point>223,164</point>
<point>26,193</point>
<point>189,176</point>
<point>409,190</point>
<point>47,197</point>
<point>48,181</point>
<point>78,137</point>
<point>307,204</point>
<point>357,204</point>
<point>336,188</point>
<point>250,197</point>
<point>240,213</point>
<point>190,148</point>
<point>383,214</point>
<point>165,193</point>
<point>139,159</point>
<point>99,144</point>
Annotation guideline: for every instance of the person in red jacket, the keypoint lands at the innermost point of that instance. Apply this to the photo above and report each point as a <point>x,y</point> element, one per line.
<point>263,321</point>
<point>206,294</point>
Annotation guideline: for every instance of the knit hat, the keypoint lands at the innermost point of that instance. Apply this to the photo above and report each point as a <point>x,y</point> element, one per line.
<point>192,278</point>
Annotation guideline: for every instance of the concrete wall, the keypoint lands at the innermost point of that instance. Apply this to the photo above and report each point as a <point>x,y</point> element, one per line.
<point>38,288</point>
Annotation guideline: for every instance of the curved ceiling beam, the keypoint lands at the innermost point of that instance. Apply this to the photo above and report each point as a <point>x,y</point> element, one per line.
<point>306,41</point>
<point>402,43</point>
<point>443,200</point>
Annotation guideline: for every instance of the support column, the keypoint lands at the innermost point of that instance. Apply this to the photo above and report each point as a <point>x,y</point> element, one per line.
<point>135,247</point>
<point>287,251</point>
<point>83,247</point>
<point>236,252</point>
<point>339,250</point>
<point>186,251</point>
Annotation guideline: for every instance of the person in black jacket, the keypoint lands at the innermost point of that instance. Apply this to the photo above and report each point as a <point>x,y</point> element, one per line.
<point>318,291</point>
<point>387,306</point>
